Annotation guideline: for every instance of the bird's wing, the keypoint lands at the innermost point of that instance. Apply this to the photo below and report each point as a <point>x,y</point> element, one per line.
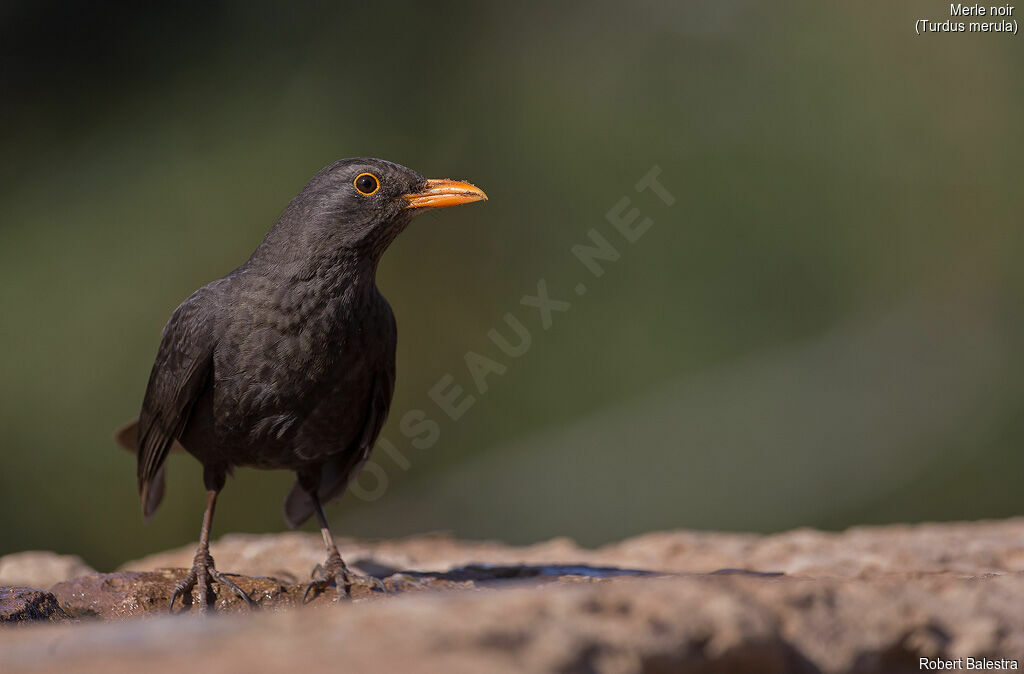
<point>127,438</point>
<point>340,468</point>
<point>182,368</point>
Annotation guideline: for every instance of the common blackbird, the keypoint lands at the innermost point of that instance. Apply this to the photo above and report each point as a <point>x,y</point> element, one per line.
<point>289,360</point>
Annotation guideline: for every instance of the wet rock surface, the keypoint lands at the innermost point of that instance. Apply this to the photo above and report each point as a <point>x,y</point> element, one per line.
<point>25,604</point>
<point>129,594</point>
<point>865,600</point>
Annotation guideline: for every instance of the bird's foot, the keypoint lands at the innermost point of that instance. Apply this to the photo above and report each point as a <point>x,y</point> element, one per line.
<point>202,576</point>
<point>335,571</point>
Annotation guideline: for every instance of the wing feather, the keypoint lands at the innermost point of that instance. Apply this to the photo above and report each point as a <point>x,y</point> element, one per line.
<point>183,365</point>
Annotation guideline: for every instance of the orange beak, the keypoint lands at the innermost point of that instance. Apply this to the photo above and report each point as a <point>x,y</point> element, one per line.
<point>443,193</point>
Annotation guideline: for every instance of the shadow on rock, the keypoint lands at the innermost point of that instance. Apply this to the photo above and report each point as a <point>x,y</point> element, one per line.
<point>491,574</point>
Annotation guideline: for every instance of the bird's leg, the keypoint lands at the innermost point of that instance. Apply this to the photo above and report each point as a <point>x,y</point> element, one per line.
<point>334,569</point>
<point>203,572</point>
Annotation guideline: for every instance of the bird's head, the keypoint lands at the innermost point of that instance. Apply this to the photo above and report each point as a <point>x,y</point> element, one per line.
<point>362,204</point>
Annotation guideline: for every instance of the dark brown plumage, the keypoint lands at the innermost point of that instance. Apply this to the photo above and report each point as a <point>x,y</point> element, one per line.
<point>288,362</point>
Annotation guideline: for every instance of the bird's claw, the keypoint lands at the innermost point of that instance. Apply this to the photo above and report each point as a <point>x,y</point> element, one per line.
<point>203,574</point>
<point>337,572</point>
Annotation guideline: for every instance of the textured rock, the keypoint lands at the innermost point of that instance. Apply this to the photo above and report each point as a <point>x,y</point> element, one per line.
<point>128,594</point>
<point>693,624</point>
<point>866,600</point>
<point>971,548</point>
<point>34,568</point>
<point>24,604</point>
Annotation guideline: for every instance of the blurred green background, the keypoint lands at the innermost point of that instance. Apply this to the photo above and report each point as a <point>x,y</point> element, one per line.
<point>824,329</point>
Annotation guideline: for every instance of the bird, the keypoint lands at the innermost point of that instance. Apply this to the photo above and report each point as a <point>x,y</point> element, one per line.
<point>287,362</point>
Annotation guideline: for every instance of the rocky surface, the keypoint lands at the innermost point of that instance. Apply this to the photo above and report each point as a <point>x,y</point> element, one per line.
<point>25,604</point>
<point>40,569</point>
<point>865,600</point>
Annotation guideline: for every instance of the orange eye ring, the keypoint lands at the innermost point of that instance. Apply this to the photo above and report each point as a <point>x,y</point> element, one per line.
<point>366,184</point>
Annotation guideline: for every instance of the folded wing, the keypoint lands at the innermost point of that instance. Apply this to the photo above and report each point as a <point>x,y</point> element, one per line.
<point>183,368</point>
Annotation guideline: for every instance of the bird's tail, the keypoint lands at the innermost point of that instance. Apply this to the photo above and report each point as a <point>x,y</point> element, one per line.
<point>153,493</point>
<point>298,506</point>
<point>127,436</point>
<point>334,478</point>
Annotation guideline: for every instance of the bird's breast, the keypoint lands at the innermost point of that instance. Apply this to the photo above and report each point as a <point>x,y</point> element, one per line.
<point>294,378</point>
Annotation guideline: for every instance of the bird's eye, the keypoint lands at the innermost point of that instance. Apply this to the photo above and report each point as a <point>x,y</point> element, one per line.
<point>366,183</point>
